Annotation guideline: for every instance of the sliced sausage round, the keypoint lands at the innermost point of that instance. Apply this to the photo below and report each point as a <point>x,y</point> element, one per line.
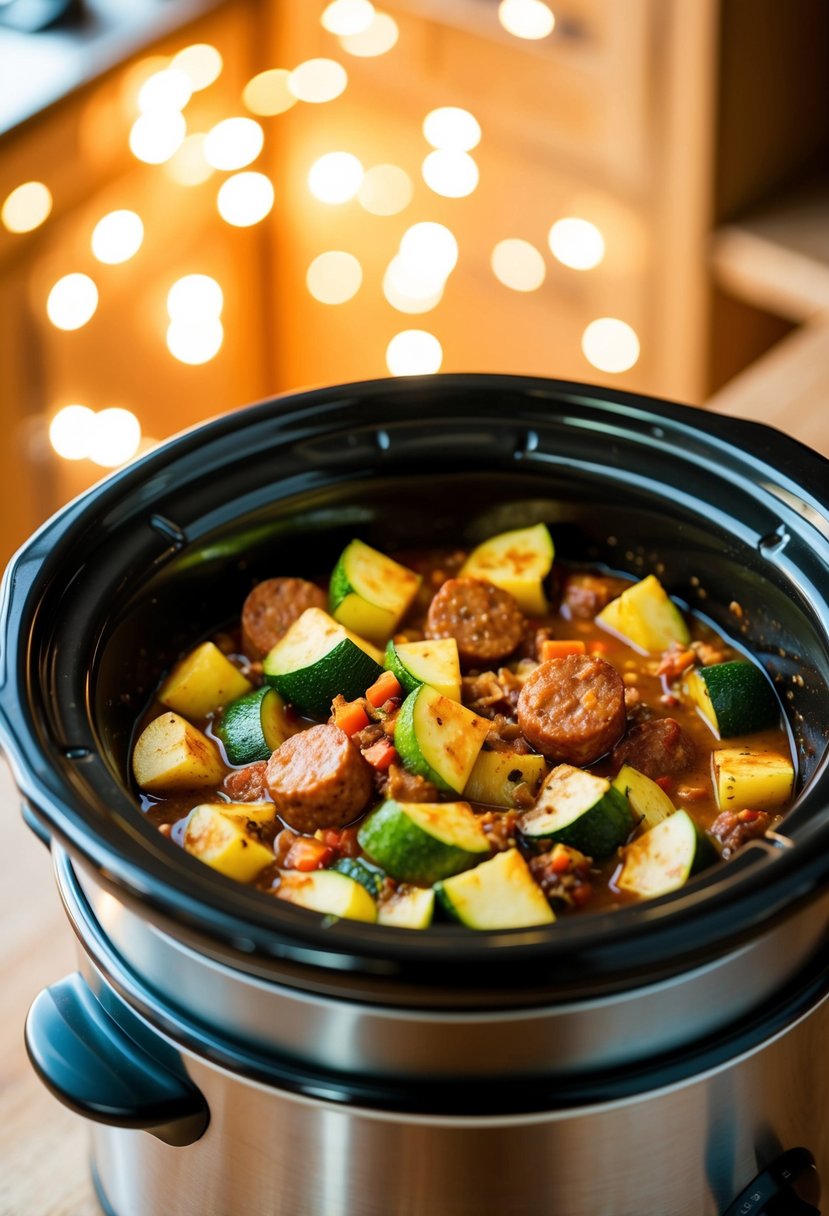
<point>573,709</point>
<point>657,748</point>
<point>318,779</point>
<point>271,609</point>
<point>485,621</point>
<point>247,784</point>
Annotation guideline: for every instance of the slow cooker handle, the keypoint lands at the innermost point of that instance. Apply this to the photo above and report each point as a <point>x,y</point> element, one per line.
<point>94,1068</point>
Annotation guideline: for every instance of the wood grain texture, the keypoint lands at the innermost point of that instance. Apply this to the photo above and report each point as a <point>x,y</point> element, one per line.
<point>44,1169</point>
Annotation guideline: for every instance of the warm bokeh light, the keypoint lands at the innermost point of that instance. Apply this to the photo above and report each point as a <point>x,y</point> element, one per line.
<point>72,301</point>
<point>430,248</point>
<point>334,277</point>
<point>268,93</point>
<point>318,80</point>
<point>610,345</point>
<point>335,177</point>
<point>201,63</point>
<point>414,352</point>
<point>452,174</point>
<point>453,128</point>
<point>233,143</point>
<point>133,78</point>
<point>576,243</point>
<point>245,199</point>
<point>196,342</point>
<point>117,237</point>
<point>70,431</point>
<point>518,264</point>
<point>114,437</point>
<point>157,135</point>
<point>526,18</point>
<point>379,38</point>
<point>194,298</point>
<point>385,190</point>
<point>169,89</point>
<point>188,166</point>
<point>409,290</point>
<point>26,207</point>
<point>346,17</point>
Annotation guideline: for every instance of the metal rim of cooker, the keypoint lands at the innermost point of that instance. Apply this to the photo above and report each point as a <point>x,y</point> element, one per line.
<point>48,719</point>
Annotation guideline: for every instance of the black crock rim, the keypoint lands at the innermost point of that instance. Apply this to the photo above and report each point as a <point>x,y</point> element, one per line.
<point>177,892</point>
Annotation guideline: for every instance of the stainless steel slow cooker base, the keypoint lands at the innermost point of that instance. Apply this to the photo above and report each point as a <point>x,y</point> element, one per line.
<point>683,1149</point>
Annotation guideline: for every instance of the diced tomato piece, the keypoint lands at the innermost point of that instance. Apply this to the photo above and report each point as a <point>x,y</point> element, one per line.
<point>560,860</point>
<point>308,854</point>
<point>381,755</point>
<point>559,648</point>
<point>351,717</point>
<point>385,686</point>
<point>665,783</point>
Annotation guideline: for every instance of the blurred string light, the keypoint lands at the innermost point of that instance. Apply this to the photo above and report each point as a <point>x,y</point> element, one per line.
<point>453,128</point>
<point>188,165</point>
<point>526,18</point>
<point>157,135</point>
<point>415,279</point>
<point>335,178</point>
<point>72,301</point>
<point>117,237</point>
<point>169,89</point>
<point>377,39</point>
<point>110,437</point>
<point>414,352</point>
<point>201,63</point>
<point>347,17</point>
<point>449,173</point>
<point>610,345</point>
<point>27,207</point>
<point>318,80</point>
<point>268,93</point>
<point>245,199</point>
<point>576,243</point>
<point>518,264</point>
<point>334,277</point>
<point>385,190</point>
<point>194,305</point>
<point>233,143</point>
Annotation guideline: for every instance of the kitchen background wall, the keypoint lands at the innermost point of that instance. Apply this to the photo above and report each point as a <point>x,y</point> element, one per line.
<point>629,193</point>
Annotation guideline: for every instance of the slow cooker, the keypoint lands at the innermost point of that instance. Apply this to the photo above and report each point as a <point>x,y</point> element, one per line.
<point>237,1055</point>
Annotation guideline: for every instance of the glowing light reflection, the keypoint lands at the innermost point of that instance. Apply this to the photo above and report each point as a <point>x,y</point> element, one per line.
<point>334,277</point>
<point>414,352</point>
<point>610,345</point>
<point>245,199</point>
<point>345,17</point>
<point>318,80</point>
<point>117,237</point>
<point>335,177</point>
<point>453,128</point>
<point>27,207</point>
<point>518,264</point>
<point>530,19</point>
<point>380,37</point>
<point>233,143</point>
<point>268,93</point>
<point>72,301</point>
<point>451,174</point>
<point>576,243</point>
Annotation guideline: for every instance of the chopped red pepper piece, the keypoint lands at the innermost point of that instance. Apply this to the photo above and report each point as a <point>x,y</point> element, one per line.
<point>559,648</point>
<point>665,783</point>
<point>385,686</point>
<point>380,755</point>
<point>351,717</point>
<point>308,854</point>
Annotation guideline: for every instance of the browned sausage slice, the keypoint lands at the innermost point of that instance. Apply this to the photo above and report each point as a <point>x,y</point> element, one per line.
<point>247,784</point>
<point>485,621</point>
<point>271,609</point>
<point>573,709</point>
<point>318,779</point>
<point>658,748</point>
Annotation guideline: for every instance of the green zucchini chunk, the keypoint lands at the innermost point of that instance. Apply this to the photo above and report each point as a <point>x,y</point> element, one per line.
<point>254,726</point>
<point>439,738</point>
<point>369,592</point>
<point>367,876</point>
<point>329,892</point>
<point>518,562</point>
<point>579,809</point>
<point>435,663</point>
<point>648,801</point>
<point>318,658</point>
<point>421,842</point>
<point>664,858</point>
<point>735,698</point>
<point>498,894</point>
<point>410,908</point>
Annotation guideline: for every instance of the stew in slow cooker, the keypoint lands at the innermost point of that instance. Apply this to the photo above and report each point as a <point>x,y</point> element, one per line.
<point>485,736</point>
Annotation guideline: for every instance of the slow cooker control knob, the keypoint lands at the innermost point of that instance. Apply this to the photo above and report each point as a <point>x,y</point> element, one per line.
<point>788,1187</point>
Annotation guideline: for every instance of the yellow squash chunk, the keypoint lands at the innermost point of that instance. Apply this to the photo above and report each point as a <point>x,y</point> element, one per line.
<point>370,593</point>
<point>496,774</point>
<point>219,841</point>
<point>747,780</point>
<point>201,682</point>
<point>329,892</point>
<point>408,909</point>
<point>646,617</point>
<point>248,812</point>
<point>517,562</point>
<point>173,755</point>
